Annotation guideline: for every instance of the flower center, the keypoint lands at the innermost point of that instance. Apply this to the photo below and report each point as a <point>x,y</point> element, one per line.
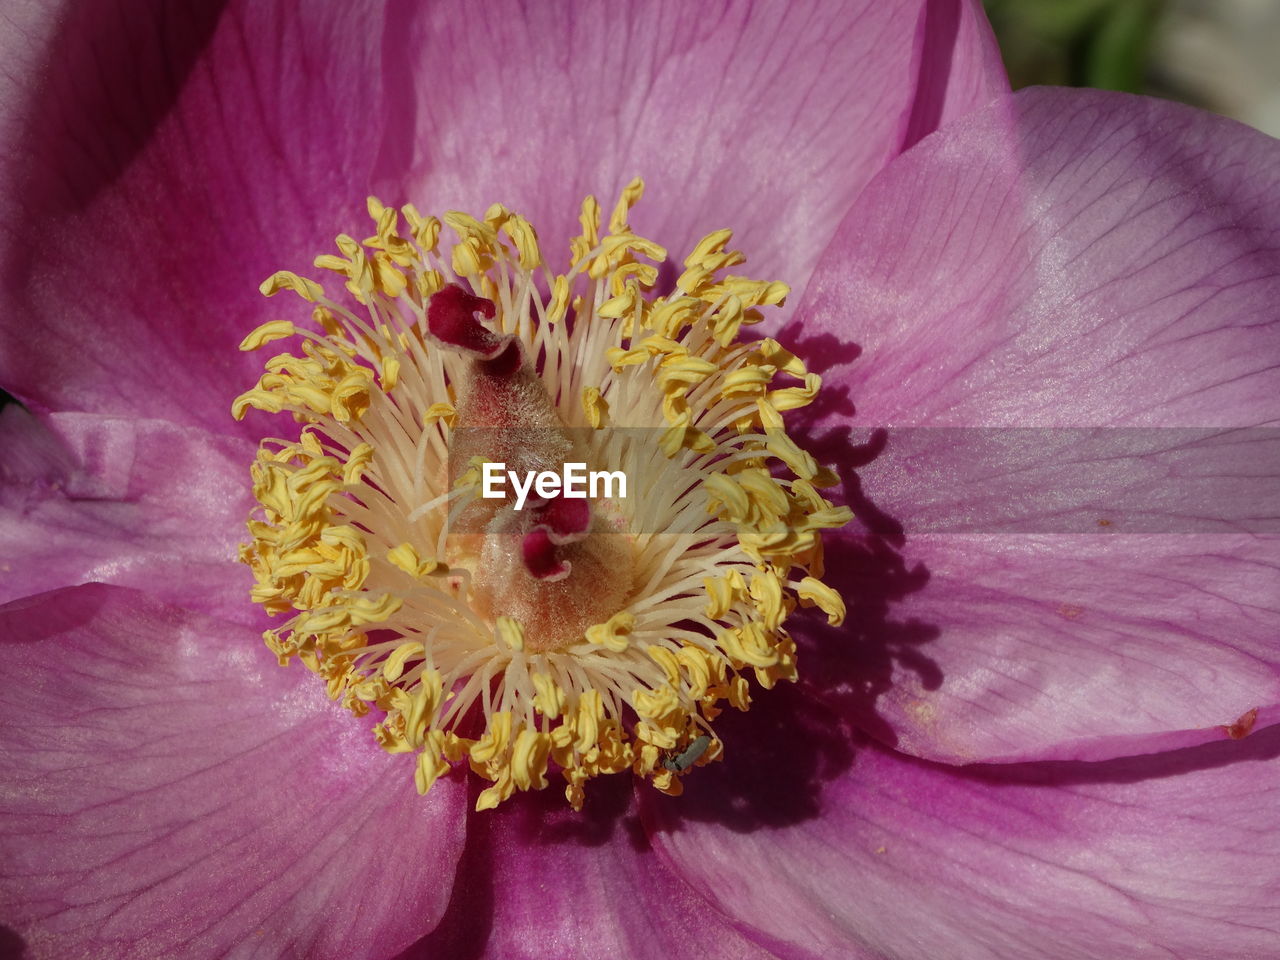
<point>426,538</point>
<point>557,566</point>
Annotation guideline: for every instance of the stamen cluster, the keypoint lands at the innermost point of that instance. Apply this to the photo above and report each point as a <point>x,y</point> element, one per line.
<point>584,640</point>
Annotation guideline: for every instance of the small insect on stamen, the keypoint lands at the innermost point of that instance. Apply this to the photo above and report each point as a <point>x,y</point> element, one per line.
<point>684,761</point>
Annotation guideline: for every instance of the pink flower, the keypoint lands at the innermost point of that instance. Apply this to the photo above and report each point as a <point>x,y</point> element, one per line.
<point>1026,741</point>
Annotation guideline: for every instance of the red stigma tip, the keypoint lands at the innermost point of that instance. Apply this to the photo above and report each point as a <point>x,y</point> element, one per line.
<point>565,519</point>
<point>452,319</point>
<point>539,555</point>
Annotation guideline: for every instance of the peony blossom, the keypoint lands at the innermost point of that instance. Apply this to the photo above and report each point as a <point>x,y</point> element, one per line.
<point>1044,728</point>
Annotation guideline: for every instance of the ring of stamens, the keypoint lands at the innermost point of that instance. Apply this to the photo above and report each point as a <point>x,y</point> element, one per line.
<point>588,639</point>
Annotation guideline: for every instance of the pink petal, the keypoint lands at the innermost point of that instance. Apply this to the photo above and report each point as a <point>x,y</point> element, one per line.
<point>1017,646</point>
<point>538,880</point>
<point>162,166</point>
<point>157,167</point>
<point>173,792</point>
<point>958,66</point>
<point>139,503</point>
<point>766,118</point>
<point>1065,259</point>
<point>882,856</point>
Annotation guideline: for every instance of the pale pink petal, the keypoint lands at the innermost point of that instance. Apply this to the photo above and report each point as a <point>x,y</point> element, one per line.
<point>139,503</point>
<point>1064,260</point>
<point>171,791</point>
<point>958,66</point>
<point>766,118</point>
<point>887,857</point>
<point>1021,646</point>
<point>158,164</point>
<point>538,880</point>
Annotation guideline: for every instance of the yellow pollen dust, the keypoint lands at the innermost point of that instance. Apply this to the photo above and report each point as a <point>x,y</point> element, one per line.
<point>658,608</point>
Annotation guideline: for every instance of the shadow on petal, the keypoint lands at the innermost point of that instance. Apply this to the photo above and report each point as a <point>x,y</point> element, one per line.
<point>1258,747</point>
<point>851,666</point>
<point>797,738</point>
<point>113,72</point>
<point>11,944</point>
<point>508,841</point>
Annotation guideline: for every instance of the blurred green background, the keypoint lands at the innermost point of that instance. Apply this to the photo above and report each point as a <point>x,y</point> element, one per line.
<point>1078,43</point>
<point>1222,55</point>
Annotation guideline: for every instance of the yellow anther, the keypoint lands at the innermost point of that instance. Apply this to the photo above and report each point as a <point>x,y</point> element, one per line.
<point>747,382</point>
<point>766,591</point>
<point>589,714</point>
<point>768,498</point>
<point>405,557</point>
<point>589,218</point>
<point>667,660</point>
<point>339,265</point>
<point>257,399</point>
<point>350,398</point>
<point>390,373</point>
<point>596,407</point>
<point>285,280</point>
<point>681,372</point>
<point>549,698</point>
<point>682,435</point>
<point>387,276</point>
<point>498,792</point>
<point>774,354</point>
<point>428,282</point>
<point>526,241</point>
<point>721,596</point>
<point>727,321</point>
<point>529,759</point>
<point>668,319</point>
<point>792,398</point>
<point>697,670</point>
<point>387,236</point>
<point>558,305</point>
<point>509,633</point>
<point>430,766</point>
<point>748,644</point>
<point>725,495</point>
<point>421,708</point>
<point>613,634</point>
<point>366,610</point>
<point>622,305</point>
<point>644,274</point>
<point>357,463</point>
<point>393,666</point>
<point>311,443</point>
<point>496,740</point>
<point>712,243</point>
<point>426,230</point>
<point>437,412</point>
<point>814,591</point>
<point>619,358</point>
<point>631,195</point>
<point>786,450</point>
<point>274,330</point>
<point>830,518</point>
